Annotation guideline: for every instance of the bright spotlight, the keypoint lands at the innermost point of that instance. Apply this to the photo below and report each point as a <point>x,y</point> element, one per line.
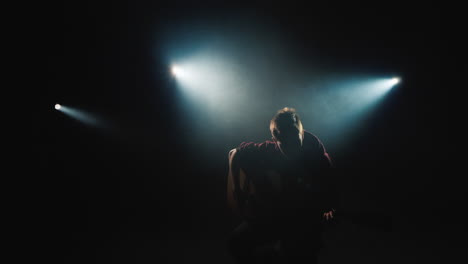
<point>176,71</point>
<point>395,81</point>
<point>80,115</point>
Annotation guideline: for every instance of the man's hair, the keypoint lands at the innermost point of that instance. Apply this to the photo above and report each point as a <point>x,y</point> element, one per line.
<point>285,118</point>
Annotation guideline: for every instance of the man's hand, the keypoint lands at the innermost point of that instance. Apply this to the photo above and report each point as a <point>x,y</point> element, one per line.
<point>329,215</point>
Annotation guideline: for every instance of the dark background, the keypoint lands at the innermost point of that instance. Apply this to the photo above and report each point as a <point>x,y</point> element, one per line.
<point>137,195</point>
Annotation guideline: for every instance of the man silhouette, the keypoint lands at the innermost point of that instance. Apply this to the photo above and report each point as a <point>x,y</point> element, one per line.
<point>282,190</point>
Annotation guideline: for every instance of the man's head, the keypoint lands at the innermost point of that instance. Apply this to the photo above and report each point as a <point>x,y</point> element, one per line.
<point>286,129</point>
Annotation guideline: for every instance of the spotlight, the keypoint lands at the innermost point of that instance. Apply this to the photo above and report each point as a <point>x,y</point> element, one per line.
<point>176,71</point>
<point>395,81</point>
<point>79,115</point>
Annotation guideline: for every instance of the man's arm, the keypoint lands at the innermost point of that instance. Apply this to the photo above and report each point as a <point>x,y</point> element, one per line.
<point>238,189</point>
<point>329,184</point>
<point>236,183</point>
<point>233,170</point>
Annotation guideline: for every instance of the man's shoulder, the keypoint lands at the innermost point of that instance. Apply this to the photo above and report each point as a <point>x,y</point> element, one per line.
<point>313,144</point>
<point>311,139</point>
<point>265,145</point>
<point>250,153</point>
